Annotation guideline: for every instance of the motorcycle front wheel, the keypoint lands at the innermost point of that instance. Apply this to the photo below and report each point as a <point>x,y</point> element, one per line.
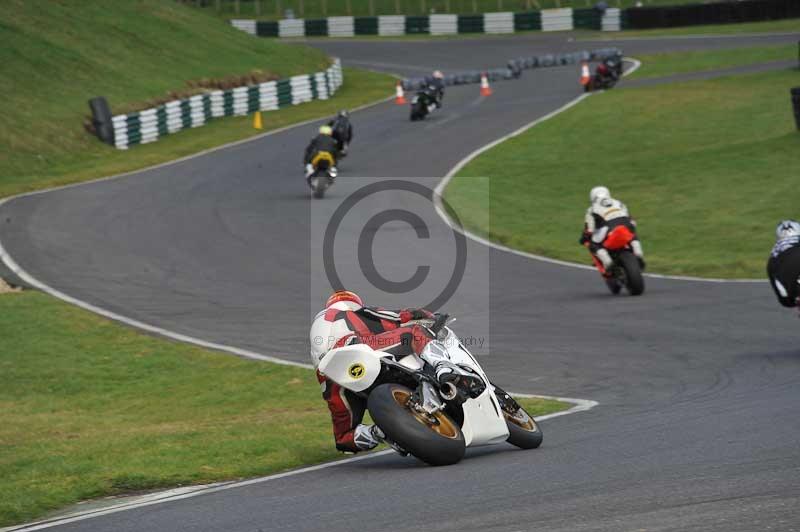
<point>614,286</point>
<point>435,439</point>
<point>523,431</point>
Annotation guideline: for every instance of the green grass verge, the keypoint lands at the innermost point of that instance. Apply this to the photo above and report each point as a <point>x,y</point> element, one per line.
<point>707,168</point>
<point>95,159</point>
<point>90,408</point>
<point>63,53</point>
<point>665,64</point>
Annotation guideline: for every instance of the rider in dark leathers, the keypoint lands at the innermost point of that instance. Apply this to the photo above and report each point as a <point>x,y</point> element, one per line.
<point>342,131</point>
<point>323,147</point>
<point>436,82</point>
<point>783,266</point>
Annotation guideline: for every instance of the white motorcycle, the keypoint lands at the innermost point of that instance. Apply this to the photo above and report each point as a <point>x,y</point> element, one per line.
<point>433,421</point>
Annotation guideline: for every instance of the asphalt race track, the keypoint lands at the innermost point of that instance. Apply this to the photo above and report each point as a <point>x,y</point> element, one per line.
<point>698,382</point>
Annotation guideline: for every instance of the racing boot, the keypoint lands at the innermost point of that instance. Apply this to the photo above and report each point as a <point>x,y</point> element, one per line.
<point>604,257</point>
<point>367,437</point>
<point>636,246</point>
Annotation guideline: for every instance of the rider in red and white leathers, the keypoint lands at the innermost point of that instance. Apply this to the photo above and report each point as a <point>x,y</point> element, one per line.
<point>346,321</point>
<point>604,214</point>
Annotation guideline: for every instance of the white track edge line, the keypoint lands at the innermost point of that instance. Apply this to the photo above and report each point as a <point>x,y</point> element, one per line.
<point>12,265</point>
<point>176,494</point>
<point>581,404</point>
<point>16,269</point>
<point>439,194</point>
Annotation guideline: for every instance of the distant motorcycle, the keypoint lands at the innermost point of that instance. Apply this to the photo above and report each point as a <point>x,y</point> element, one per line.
<point>421,416</point>
<point>323,176</point>
<point>423,103</point>
<point>626,270</point>
<point>605,76</point>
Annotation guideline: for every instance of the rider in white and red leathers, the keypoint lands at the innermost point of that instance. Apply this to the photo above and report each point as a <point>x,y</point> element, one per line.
<point>346,321</point>
<point>604,214</point>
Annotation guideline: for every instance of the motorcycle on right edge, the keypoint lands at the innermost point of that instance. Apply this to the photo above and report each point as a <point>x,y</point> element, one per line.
<point>626,270</point>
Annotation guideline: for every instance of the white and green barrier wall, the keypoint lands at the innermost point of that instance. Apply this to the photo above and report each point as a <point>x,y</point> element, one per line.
<point>393,25</point>
<point>151,124</point>
<point>612,19</point>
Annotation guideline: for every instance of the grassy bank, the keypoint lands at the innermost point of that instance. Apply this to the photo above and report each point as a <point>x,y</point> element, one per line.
<point>90,408</point>
<point>666,64</point>
<point>63,53</point>
<point>706,167</point>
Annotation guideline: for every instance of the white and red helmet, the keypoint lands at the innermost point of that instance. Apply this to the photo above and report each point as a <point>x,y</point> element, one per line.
<point>326,330</point>
<point>345,296</point>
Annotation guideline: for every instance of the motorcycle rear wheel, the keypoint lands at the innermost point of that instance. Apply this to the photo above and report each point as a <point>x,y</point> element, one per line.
<point>318,185</point>
<point>417,111</point>
<point>435,439</point>
<point>634,281</point>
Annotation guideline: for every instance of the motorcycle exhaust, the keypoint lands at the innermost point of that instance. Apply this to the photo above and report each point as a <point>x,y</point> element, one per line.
<point>448,391</point>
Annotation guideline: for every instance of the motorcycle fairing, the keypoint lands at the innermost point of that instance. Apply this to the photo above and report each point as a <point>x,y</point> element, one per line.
<point>484,422</point>
<point>618,238</point>
<point>354,367</point>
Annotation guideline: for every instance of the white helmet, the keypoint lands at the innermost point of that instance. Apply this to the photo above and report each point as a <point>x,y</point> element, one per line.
<point>598,193</point>
<point>787,228</point>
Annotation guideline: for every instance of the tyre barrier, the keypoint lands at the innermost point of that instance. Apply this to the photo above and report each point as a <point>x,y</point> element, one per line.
<point>713,13</point>
<point>151,124</point>
<point>795,92</point>
<point>515,67</point>
<point>102,119</point>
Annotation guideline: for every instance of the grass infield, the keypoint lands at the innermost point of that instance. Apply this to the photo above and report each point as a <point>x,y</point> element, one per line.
<point>134,52</point>
<point>706,167</point>
<point>90,408</point>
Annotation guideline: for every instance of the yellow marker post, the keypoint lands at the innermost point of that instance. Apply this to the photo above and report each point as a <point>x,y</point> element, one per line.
<point>257,120</point>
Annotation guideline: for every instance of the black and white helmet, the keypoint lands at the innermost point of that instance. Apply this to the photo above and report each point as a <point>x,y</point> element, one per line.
<point>787,229</point>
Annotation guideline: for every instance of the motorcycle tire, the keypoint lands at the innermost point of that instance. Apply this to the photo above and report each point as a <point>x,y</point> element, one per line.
<point>417,112</point>
<point>436,440</point>
<point>634,281</point>
<point>613,286</point>
<point>318,191</point>
<point>523,431</point>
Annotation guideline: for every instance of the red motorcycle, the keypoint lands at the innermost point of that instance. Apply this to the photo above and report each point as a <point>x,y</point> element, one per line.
<point>627,269</point>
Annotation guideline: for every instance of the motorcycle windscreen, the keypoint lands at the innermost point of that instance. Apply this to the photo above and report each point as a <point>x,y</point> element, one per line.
<point>354,367</point>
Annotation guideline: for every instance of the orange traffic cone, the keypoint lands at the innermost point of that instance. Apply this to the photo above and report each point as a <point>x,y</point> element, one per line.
<point>585,75</point>
<point>486,90</point>
<point>400,98</point>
